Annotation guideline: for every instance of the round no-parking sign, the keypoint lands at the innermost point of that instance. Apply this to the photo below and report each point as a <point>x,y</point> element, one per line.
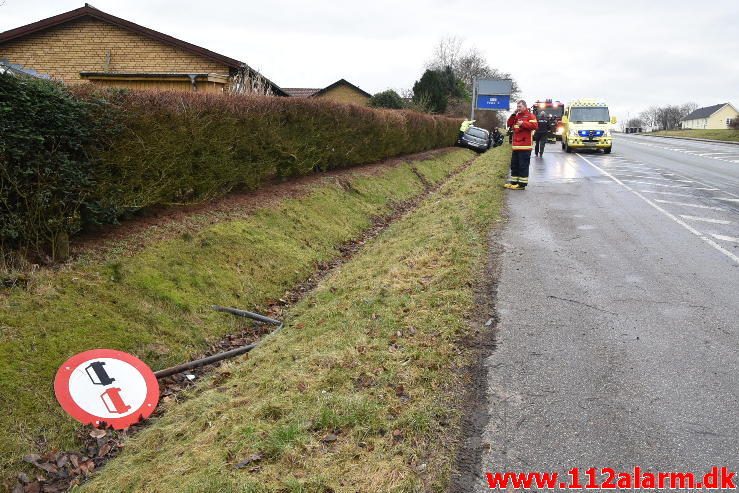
<point>106,386</point>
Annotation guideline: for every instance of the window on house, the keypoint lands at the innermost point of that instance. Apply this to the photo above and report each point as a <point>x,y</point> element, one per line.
<point>729,121</point>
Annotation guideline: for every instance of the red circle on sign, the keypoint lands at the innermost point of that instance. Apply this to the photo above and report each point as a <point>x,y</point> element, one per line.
<point>109,393</point>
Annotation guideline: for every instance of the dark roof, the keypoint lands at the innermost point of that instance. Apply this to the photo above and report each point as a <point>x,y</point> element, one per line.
<point>704,112</point>
<point>304,92</point>
<point>90,11</point>
<point>300,92</point>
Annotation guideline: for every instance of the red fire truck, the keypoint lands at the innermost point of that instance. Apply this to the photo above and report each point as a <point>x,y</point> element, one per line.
<point>555,110</point>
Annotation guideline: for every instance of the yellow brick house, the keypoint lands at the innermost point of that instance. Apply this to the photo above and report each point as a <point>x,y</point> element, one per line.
<point>87,45</point>
<point>341,91</point>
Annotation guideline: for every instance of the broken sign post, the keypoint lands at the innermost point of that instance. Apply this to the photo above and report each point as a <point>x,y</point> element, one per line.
<point>106,386</point>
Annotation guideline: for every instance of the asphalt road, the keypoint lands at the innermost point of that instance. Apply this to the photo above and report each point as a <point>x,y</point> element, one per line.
<point>618,337</point>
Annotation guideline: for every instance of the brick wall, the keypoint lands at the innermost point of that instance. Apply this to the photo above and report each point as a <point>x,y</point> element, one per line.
<point>81,46</point>
<point>344,94</point>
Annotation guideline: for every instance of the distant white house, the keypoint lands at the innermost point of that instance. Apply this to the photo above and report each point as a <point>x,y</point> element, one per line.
<point>718,116</point>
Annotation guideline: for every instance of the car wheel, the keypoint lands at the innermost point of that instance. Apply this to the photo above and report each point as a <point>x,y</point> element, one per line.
<point>607,150</point>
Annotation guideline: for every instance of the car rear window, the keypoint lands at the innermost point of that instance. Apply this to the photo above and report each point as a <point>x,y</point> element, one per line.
<point>479,133</point>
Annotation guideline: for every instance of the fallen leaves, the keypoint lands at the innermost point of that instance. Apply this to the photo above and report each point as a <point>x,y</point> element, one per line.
<point>63,470</point>
<point>252,459</point>
<point>98,433</point>
<point>329,438</point>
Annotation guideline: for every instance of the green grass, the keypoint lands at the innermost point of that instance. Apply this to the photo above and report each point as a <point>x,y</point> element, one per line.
<point>371,356</point>
<point>727,135</point>
<point>155,303</point>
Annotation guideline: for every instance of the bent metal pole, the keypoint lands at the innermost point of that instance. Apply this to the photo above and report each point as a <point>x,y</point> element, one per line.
<point>208,360</point>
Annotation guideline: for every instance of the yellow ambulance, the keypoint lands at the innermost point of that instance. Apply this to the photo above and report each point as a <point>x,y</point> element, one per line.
<point>587,125</point>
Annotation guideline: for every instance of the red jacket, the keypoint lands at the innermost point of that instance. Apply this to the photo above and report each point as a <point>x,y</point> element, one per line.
<point>524,124</point>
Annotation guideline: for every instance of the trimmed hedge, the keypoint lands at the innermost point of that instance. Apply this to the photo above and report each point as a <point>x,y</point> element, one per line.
<point>46,172</point>
<point>89,156</point>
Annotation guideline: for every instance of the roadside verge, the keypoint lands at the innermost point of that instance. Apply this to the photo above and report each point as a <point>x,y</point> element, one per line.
<point>714,136</point>
<point>362,390</point>
<point>153,299</point>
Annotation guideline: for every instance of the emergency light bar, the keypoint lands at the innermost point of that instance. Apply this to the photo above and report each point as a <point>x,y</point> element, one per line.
<point>589,133</point>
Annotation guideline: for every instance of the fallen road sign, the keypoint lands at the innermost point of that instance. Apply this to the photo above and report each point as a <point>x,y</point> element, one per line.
<point>106,387</point>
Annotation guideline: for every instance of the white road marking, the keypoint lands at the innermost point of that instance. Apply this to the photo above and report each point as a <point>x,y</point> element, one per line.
<point>685,204</point>
<point>668,193</point>
<point>708,186</point>
<point>657,184</point>
<point>705,219</point>
<point>656,176</point>
<point>727,199</point>
<point>725,238</point>
<point>663,211</point>
<point>723,155</point>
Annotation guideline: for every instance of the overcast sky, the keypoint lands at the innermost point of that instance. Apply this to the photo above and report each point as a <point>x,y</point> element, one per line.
<point>631,53</point>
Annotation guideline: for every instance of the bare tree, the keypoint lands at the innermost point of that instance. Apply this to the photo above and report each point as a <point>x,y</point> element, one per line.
<point>688,108</point>
<point>249,81</point>
<point>472,65</point>
<point>446,53</point>
<point>467,65</point>
<point>668,117</point>
<point>649,117</point>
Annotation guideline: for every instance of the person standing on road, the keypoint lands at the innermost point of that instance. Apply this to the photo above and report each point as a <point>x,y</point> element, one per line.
<point>542,133</point>
<point>524,124</point>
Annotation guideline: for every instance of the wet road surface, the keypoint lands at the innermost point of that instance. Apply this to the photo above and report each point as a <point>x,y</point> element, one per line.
<point>618,338</point>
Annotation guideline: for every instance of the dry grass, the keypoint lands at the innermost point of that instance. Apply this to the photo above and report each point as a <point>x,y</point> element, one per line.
<point>154,302</point>
<point>357,393</point>
<point>727,135</point>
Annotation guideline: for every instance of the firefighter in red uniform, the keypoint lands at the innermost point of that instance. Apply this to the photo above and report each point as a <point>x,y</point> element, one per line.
<point>523,123</point>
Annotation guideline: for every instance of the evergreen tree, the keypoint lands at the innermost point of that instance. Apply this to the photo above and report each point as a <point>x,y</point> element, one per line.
<point>387,99</point>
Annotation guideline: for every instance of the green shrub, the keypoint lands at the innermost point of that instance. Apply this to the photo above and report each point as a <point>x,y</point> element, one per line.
<point>94,155</point>
<point>387,99</point>
<point>46,173</point>
<point>436,87</point>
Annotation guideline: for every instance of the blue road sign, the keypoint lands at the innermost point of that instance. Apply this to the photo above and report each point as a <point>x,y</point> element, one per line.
<point>488,102</point>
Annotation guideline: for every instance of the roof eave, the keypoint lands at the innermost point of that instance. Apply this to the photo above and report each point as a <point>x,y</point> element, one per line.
<point>88,11</point>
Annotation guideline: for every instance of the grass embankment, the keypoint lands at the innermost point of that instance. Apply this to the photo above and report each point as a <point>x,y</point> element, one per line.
<point>155,303</point>
<point>725,135</point>
<point>357,393</point>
